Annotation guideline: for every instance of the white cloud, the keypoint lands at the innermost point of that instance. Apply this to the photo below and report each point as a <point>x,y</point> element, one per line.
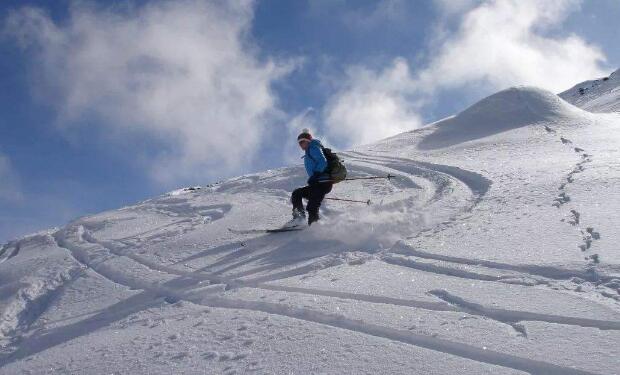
<point>185,75</point>
<point>513,42</point>
<point>372,105</point>
<point>182,74</point>
<point>9,182</point>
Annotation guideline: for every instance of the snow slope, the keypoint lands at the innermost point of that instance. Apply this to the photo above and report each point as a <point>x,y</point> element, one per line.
<point>599,95</point>
<point>493,251</point>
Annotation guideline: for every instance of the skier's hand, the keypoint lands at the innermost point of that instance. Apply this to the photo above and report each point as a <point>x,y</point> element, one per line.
<point>314,179</point>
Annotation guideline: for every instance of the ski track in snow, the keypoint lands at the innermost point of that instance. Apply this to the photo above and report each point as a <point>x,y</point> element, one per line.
<point>442,175</point>
<point>201,286</point>
<point>33,296</point>
<point>9,250</point>
<point>40,342</point>
<point>545,272</point>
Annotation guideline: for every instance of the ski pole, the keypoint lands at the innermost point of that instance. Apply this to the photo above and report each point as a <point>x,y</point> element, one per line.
<point>361,178</point>
<point>369,178</point>
<point>348,200</point>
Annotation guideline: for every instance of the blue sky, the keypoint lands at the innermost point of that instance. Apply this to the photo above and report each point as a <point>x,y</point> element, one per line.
<point>107,103</point>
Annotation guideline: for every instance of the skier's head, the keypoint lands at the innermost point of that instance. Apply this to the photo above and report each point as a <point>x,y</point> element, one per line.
<point>304,139</point>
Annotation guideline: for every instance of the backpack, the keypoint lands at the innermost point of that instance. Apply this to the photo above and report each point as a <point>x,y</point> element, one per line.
<point>336,170</point>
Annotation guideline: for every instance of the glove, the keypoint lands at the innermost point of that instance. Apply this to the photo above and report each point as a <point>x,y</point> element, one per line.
<point>314,179</point>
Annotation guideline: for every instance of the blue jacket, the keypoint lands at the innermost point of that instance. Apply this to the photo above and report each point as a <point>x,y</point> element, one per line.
<point>315,161</point>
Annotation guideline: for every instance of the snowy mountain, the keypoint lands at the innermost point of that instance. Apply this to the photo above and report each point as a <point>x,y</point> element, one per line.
<point>492,251</point>
<point>599,95</point>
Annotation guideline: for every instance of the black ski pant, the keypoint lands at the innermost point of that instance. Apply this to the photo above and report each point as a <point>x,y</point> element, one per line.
<point>314,194</point>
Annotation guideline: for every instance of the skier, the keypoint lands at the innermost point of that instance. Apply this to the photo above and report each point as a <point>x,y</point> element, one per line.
<point>319,181</point>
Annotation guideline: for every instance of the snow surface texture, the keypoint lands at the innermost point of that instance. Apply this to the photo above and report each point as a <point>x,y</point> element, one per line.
<point>492,251</point>
<point>600,95</point>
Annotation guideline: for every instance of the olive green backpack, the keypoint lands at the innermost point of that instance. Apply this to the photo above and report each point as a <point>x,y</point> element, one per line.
<point>336,169</point>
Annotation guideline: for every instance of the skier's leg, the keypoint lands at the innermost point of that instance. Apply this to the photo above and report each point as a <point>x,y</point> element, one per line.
<point>317,193</point>
<point>296,198</point>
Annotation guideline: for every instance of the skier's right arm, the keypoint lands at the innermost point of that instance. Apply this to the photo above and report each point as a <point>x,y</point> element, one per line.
<point>320,162</point>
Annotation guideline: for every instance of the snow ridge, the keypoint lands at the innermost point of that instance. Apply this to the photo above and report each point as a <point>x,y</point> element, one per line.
<point>599,95</point>
<point>509,109</point>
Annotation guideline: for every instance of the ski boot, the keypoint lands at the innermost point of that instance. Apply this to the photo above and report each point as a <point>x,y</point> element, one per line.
<point>312,218</point>
<point>299,218</point>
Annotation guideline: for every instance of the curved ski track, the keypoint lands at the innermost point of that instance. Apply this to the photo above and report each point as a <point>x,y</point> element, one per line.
<point>201,286</point>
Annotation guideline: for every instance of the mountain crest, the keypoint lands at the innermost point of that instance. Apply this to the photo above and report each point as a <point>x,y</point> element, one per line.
<point>598,95</point>
<point>508,109</point>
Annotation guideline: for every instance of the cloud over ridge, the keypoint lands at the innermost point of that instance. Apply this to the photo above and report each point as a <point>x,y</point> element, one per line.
<point>496,44</point>
<point>511,42</point>
<point>185,75</point>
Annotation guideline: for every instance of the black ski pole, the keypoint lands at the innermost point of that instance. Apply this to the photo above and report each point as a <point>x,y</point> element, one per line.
<point>348,200</point>
<point>362,178</point>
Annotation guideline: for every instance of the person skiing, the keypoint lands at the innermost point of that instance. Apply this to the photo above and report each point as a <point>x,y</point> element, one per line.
<point>319,181</point>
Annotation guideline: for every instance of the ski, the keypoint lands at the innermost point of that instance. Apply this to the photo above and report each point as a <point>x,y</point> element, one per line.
<point>273,230</point>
